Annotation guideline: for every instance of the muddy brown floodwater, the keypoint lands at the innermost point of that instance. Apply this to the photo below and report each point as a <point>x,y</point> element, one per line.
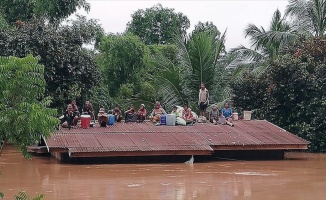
<point>300,176</point>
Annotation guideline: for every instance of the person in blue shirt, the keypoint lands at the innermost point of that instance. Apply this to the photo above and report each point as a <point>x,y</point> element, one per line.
<point>227,113</point>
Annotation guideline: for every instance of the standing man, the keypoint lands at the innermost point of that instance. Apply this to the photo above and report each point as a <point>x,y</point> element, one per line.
<point>203,99</point>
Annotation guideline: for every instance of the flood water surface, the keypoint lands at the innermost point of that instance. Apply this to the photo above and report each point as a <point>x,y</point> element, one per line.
<point>302,176</point>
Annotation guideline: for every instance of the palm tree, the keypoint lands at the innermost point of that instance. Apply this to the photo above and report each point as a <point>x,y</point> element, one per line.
<point>309,16</point>
<point>265,45</point>
<point>199,61</point>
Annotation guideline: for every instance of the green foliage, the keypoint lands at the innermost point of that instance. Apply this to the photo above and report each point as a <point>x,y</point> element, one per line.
<point>291,93</point>
<point>99,97</point>
<point>17,10</point>
<point>206,27</point>
<point>265,45</point>
<point>201,60</point>
<point>57,10</point>
<point>198,60</point>
<point>24,196</point>
<point>3,23</point>
<point>158,25</point>
<point>66,63</point>
<point>309,16</point>
<point>90,31</point>
<point>169,51</point>
<point>24,117</point>
<point>52,10</point>
<point>121,58</point>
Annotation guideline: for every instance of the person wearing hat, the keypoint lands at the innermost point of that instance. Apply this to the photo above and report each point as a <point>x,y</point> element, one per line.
<point>155,116</point>
<point>141,113</point>
<point>102,117</point>
<point>70,118</point>
<point>213,114</point>
<point>187,115</point>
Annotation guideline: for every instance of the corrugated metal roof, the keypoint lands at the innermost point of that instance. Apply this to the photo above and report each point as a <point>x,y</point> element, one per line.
<point>147,137</point>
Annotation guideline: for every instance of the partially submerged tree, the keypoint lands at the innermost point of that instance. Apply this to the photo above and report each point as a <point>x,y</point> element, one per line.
<point>157,25</point>
<point>24,116</point>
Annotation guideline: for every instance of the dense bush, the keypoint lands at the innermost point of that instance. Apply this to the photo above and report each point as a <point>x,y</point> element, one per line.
<point>291,93</point>
<point>67,64</point>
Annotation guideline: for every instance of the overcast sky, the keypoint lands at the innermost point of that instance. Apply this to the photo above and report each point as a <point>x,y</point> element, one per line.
<point>232,14</point>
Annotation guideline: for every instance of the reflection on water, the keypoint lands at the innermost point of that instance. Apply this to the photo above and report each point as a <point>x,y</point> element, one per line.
<point>300,177</point>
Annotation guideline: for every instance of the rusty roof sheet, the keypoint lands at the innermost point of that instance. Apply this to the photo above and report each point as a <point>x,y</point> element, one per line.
<point>147,137</point>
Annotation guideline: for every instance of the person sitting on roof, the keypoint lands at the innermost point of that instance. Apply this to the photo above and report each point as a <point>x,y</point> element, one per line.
<point>130,114</point>
<point>70,118</point>
<point>187,115</point>
<point>155,116</point>
<point>227,113</point>
<point>213,114</point>
<point>178,119</point>
<point>88,109</point>
<point>141,114</point>
<point>74,107</point>
<point>102,118</point>
<point>175,111</point>
<point>117,114</point>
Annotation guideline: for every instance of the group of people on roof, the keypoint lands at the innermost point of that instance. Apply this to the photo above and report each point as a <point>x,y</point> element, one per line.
<point>184,115</point>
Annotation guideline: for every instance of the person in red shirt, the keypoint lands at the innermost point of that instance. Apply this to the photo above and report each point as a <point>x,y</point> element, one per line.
<point>141,114</point>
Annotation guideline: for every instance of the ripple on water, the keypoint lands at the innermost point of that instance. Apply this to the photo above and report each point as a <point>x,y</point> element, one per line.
<point>134,185</point>
<point>249,173</point>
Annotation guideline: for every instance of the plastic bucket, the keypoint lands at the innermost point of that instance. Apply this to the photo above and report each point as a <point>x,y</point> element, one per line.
<point>163,119</point>
<point>111,119</point>
<point>235,116</point>
<point>170,119</point>
<point>246,115</point>
<point>85,121</point>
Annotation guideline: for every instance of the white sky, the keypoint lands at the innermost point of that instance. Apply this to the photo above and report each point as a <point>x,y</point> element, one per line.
<point>234,15</point>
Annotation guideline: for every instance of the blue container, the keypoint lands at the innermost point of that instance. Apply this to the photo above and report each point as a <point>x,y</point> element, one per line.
<point>163,119</point>
<point>111,119</point>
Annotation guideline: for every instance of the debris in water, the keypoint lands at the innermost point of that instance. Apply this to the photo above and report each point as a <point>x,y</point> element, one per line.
<point>191,161</point>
